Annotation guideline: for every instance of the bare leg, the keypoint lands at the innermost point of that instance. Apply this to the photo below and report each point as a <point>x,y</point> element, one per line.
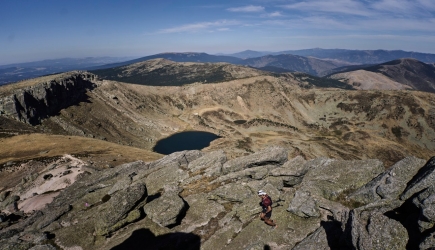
<point>269,222</point>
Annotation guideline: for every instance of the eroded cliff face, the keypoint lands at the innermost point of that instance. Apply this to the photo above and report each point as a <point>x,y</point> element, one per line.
<point>33,103</point>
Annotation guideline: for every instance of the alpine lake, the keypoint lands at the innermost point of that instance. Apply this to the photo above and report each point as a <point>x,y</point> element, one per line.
<point>188,140</point>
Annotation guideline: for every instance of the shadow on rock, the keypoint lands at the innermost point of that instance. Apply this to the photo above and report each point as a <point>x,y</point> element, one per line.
<point>333,233</point>
<point>145,239</point>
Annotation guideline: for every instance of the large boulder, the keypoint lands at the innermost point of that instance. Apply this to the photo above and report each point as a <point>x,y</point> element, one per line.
<point>422,180</point>
<point>120,209</point>
<point>180,159</point>
<point>170,175</point>
<point>331,179</point>
<point>303,205</point>
<point>325,237</point>
<point>201,211</point>
<point>370,229</point>
<point>391,183</point>
<point>425,202</point>
<point>269,156</point>
<point>211,163</point>
<point>167,210</point>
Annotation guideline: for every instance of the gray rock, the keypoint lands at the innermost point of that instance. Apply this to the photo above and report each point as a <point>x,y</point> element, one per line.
<point>3,195</point>
<point>269,156</point>
<point>170,175</point>
<point>210,163</point>
<point>377,231</point>
<point>428,242</point>
<point>324,238</point>
<point>233,192</point>
<point>201,211</point>
<point>179,159</point>
<point>291,181</point>
<point>3,217</point>
<point>222,236</point>
<point>303,205</point>
<point>330,178</point>
<point>425,201</point>
<point>422,180</point>
<point>121,184</point>
<point>119,210</point>
<point>34,237</point>
<point>167,209</point>
<point>13,245</point>
<point>43,247</point>
<point>248,210</point>
<point>293,167</point>
<point>51,214</point>
<point>391,183</point>
<point>256,173</point>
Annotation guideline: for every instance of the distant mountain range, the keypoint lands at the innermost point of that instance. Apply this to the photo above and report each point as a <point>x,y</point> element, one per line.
<point>317,62</point>
<point>163,72</point>
<point>344,55</point>
<point>20,71</point>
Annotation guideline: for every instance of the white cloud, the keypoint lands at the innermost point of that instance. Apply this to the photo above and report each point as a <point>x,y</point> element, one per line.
<point>249,8</point>
<point>349,7</point>
<point>273,14</point>
<point>196,27</point>
<point>396,6</point>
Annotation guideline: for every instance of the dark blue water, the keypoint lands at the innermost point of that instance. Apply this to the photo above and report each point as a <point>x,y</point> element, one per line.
<point>189,140</point>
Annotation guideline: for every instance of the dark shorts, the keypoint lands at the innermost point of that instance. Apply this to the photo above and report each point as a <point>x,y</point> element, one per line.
<point>267,215</point>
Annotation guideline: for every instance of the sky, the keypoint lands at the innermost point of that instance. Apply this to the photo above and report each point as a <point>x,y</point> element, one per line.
<point>33,30</point>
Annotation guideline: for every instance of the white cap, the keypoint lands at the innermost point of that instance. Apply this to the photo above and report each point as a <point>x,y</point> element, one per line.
<point>261,192</point>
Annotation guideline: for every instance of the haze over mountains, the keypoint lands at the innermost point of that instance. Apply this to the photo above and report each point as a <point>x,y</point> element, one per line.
<point>20,71</point>
<point>317,62</point>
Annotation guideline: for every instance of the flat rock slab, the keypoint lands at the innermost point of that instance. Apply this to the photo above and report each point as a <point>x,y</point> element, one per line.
<point>391,183</point>
<point>201,211</point>
<point>165,176</point>
<point>269,156</point>
<point>233,192</point>
<point>166,210</point>
<point>119,207</point>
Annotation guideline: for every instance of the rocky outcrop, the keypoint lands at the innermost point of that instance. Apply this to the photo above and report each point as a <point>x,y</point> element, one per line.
<point>390,184</point>
<point>168,209</point>
<point>188,200</point>
<point>31,104</point>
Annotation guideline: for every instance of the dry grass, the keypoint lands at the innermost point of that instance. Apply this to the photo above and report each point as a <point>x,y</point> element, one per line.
<point>30,146</point>
<point>201,186</point>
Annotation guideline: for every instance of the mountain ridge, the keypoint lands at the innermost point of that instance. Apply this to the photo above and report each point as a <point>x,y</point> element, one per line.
<point>408,72</point>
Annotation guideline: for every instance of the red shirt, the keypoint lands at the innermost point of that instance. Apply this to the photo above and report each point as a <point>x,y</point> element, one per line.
<point>267,201</point>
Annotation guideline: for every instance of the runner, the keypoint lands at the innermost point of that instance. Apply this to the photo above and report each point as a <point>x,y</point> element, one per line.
<point>266,214</point>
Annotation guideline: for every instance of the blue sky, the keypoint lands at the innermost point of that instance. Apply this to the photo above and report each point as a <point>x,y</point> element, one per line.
<point>47,29</point>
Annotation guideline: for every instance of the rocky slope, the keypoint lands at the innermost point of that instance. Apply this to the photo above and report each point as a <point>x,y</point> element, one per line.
<point>197,200</point>
<point>397,74</point>
<point>281,110</point>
